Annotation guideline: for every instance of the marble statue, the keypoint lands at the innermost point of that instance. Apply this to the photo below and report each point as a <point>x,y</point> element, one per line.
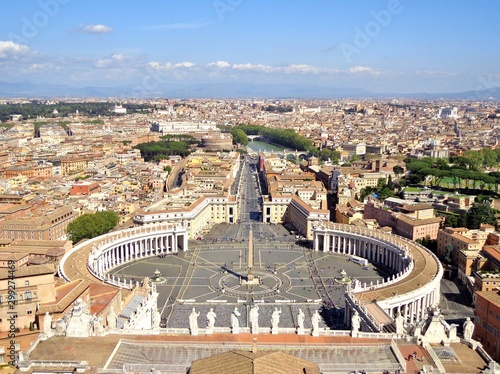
<point>60,327</point>
<point>399,324</point>
<point>468,327</point>
<point>315,323</point>
<point>47,323</point>
<point>111,318</point>
<point>355,322</point>
<point>211,319</point>
<point>300,319</point>
<point>193,322</point>
<point>254,319</point>
<point>97,324</point>
<point>156,319</point>
<point>79,323</point>
<point>235,323</point>
<point>275,320</point>
<point>275,317</point>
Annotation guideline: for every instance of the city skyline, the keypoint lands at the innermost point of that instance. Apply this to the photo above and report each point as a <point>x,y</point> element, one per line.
<point>382,47</point>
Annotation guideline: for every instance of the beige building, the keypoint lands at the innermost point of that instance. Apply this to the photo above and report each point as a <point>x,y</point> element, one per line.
<point>31,286</point>
<point>303,216</point>
<point>461,246</point>
<point>72,165</point>
<point>200,215</point>
<point>412,222</point>
<point>50,225</point>
<point>349,213</point>
<point>30,171</point>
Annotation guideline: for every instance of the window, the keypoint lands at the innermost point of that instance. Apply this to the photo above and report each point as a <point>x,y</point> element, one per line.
<point>26,282</point>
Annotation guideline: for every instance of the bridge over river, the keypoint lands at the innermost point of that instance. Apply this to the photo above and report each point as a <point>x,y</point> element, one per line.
<point>256,146</point>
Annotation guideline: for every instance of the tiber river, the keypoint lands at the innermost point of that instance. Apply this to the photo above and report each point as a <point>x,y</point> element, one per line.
<point>257,146</point>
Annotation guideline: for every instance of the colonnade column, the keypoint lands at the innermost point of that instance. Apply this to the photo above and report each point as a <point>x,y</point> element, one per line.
<point>174,243</point>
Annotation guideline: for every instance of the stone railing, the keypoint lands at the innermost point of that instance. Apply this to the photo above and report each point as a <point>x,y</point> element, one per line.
<point>104,242</point>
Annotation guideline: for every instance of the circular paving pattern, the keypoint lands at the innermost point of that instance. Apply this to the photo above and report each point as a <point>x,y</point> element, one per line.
<point>232,283</point>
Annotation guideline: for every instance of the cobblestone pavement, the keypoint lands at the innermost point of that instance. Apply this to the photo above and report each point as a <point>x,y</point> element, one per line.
<point>209,274</point>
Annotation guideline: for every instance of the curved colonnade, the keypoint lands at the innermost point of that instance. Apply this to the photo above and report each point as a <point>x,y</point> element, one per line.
<point>414,287</point>
<point>116,248</point>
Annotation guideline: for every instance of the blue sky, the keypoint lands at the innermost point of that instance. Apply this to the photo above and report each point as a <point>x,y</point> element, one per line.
<point>384,46</point>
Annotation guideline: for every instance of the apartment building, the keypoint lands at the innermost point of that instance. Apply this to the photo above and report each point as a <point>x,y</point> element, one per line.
<point>453,240</point>
<point>84,188</point>
<point>487,321</point>
<point>487,266</point>
<point>407,221</point>
<point>70,165</point>
<point>350,212</point>
<point>303,216</point>
<point>32,285</point>
<point>30,171</point>
<point>41,225</point>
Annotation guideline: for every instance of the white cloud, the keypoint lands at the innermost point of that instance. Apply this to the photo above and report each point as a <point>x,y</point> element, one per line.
<point>184,64</point>
<point>220,64</point>
<point>254,67</point>
<point>360,69</point>
<point>301,69</point>
<point>11,49</point>
<point>39,67</point>
<point>434,73</point>
<point>95,29</point>
<point>157,66</point>
<point>114,59</point>
<point>365,70</point>
<point>169,66</point>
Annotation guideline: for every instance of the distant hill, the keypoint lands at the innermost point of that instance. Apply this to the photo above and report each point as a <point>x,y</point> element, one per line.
<point>224,90</point>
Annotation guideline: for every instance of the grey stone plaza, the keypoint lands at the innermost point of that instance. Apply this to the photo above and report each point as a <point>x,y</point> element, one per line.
<point>211,273</point>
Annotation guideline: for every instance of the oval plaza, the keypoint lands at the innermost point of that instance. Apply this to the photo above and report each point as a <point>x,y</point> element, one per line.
<point>411,290</point>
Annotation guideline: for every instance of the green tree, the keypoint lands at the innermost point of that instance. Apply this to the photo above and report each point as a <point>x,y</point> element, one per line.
<point>239,136</point>
<point>398,170</point>
<point>480,213</point>
<point>390,183</point>
<point>448,249</point>
<point>428,243</point>
<point>88,226</point>
<point>489,157</point>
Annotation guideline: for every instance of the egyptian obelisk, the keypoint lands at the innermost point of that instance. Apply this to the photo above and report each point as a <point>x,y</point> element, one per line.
<point>250,256</point>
